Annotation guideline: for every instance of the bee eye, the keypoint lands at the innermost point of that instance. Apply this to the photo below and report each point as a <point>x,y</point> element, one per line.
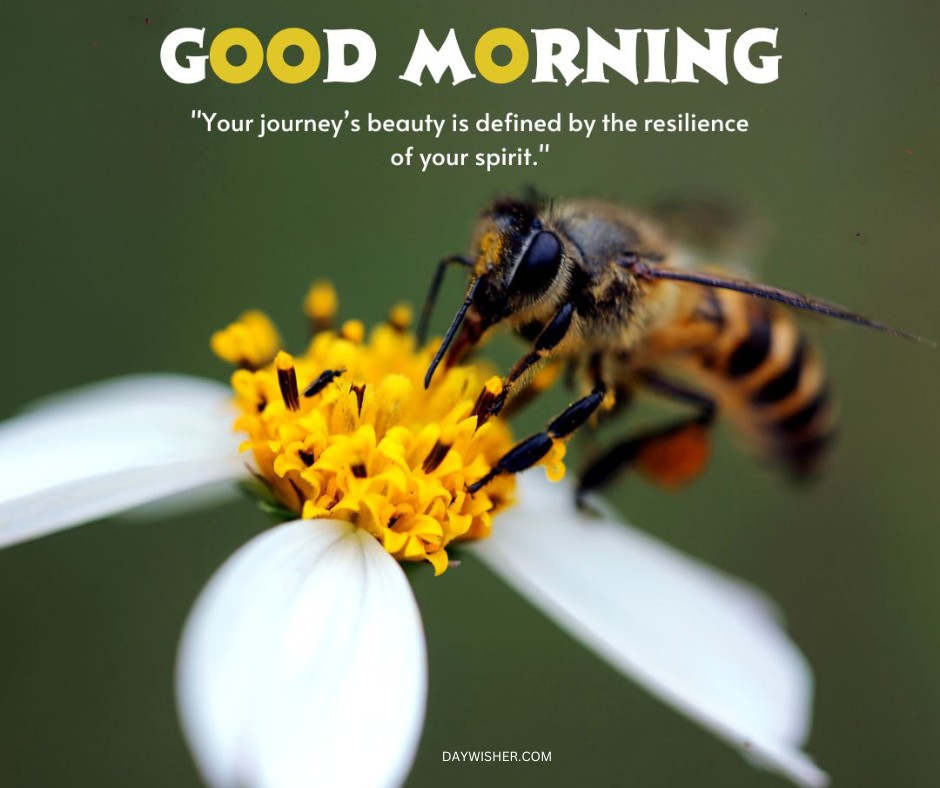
<point>539,264</point>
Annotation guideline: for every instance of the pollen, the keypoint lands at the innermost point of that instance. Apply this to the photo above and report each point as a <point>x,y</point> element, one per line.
<point>353,330</point>
<point>250,342</point>
<point>399,317</point>
<point>491,248</point>
<point>321,305</point>
<point>346,430</point>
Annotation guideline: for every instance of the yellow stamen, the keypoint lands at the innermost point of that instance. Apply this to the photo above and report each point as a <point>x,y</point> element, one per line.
<point>353,330</point>
<point>321,305</point>
<point>487,399</point>
<point>441,449</point>
<point>400,316</point>
<point>287,380</point>
<point>250,342</point>
<point>348,431</point>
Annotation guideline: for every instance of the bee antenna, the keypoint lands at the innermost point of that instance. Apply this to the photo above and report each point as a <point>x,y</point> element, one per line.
<point>798,300</point>
<point>451,331</point>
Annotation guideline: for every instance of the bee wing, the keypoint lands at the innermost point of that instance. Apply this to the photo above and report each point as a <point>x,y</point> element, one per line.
<point>708,230</point>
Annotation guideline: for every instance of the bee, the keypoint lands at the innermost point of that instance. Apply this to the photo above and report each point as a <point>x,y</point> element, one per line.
<point>605,292</point>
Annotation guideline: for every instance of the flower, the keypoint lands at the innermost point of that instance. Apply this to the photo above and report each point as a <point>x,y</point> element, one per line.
<point>306,648</point>
<point>363,440</point>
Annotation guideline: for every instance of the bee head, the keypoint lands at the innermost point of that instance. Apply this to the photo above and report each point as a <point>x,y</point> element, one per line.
<point>517,262</point>
<point>518,259</point>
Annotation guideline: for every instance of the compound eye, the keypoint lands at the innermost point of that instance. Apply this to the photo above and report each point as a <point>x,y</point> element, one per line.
<point>539,265</point>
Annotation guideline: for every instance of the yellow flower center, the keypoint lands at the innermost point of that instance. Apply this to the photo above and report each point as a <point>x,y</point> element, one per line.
<point>348,431</point>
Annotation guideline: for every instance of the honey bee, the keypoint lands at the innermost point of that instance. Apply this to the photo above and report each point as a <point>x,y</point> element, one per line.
<point>603,290</point>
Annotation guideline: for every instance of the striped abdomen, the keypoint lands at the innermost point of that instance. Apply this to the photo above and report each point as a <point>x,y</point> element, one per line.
<point>765,371</point>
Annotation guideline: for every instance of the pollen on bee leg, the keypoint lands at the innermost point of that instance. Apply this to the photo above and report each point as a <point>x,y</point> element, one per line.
<point>321,305</point>
<point>287,380</point>
<point>675,460</point>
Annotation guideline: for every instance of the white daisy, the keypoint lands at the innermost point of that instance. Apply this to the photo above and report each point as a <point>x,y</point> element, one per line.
<point>308,640</point>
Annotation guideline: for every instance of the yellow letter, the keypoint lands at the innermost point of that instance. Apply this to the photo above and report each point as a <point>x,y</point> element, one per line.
<point>293,37</point>
<point>218,55</point>
<point>518,60</point>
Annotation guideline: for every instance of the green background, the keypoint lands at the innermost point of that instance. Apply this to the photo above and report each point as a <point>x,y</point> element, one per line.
<point>129,235</point>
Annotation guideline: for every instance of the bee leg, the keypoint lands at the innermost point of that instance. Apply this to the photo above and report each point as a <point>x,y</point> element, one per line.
<point>528,452</point>
<point>671,456</point>
<point>655,382</point>
<point>540,382</point>
<point>548,339</point>
<point>457,259</point>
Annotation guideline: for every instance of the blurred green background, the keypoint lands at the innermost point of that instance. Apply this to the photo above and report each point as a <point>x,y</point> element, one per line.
<point>129,235</point>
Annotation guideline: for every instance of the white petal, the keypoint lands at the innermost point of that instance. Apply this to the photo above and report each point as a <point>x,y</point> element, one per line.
<point>701,641</point>
<point>104,448</point>
<point>303,663</point>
